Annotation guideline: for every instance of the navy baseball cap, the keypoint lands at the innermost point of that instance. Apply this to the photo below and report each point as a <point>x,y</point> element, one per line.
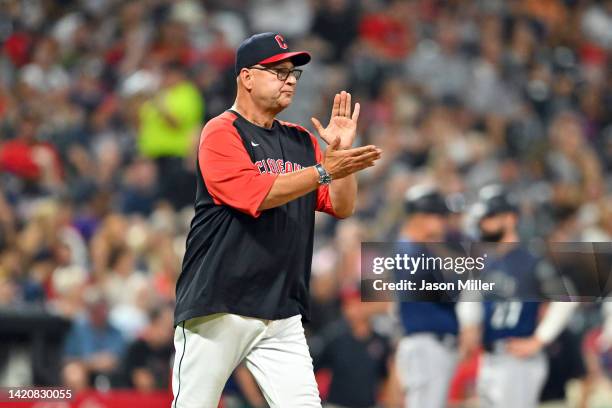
<point>425,200</point>
<point>266,48</point>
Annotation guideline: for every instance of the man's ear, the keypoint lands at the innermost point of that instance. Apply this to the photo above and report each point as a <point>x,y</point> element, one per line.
<point>246,78</point>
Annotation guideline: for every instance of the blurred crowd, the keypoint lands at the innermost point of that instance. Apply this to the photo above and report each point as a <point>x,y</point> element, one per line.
<point>102,102</point>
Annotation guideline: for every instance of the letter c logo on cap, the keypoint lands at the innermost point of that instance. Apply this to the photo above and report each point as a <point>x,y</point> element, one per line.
<point>281,41</point>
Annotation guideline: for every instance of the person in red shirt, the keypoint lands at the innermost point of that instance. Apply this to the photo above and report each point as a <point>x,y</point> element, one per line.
<point>29,159</point>
<point>387,33</point>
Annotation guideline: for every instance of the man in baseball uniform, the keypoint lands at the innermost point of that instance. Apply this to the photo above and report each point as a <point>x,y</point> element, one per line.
<point>427,354</point>
<point>513,368</point>
<point>243,289</point>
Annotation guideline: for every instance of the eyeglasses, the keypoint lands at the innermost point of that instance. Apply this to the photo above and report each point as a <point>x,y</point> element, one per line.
<point>282,73</point>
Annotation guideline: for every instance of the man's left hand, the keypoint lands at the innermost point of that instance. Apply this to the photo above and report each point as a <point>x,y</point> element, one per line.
<point>524,347</point>
<point>342,124</point>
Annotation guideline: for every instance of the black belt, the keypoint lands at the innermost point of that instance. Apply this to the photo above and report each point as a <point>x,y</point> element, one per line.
<point>494,346</point>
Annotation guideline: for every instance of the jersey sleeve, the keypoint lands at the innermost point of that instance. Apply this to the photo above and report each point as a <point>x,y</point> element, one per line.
<point>324,202</point>
<point>228,172</point>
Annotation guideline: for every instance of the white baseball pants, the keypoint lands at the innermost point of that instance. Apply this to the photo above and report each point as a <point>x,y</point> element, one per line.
<point>209,348</point>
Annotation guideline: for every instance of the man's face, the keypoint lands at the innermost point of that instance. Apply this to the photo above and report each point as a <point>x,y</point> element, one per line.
<point>271,92</point>
<point>162,327</point>
<point>98,314</point>
<point>494,228</point>
<point>171,77</point>
<point>354,311</point>
<point>436,226</point>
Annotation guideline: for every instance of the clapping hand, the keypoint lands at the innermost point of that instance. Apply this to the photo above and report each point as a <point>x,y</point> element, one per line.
<point>342,124</point>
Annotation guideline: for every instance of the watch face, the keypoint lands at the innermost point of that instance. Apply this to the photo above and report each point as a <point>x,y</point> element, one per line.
<point>324,177</point>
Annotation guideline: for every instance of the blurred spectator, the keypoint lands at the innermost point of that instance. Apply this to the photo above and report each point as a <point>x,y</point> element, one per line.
<point>139,190</point>
<point>551,13</point>
<point>565,365</point>
<point>93,348</point>
<point>386,31</point>
<point>148,359</point>
<point>8,221</point>
<point>439,66</point>
<point>596,389</point>
<point>601,228</point>
<point>127,292</point>
<point>44,74</point>
<point>109,237</point>
<point>335,21</point>
<point>9,267</point>
<point>172,45</point>
<point>572,163</point>
<point>357,357</point>
<point>597,23</point>
<point>169,124</point>
<point>31,160</point>
<point>290,17</point>
<point>488,91</point>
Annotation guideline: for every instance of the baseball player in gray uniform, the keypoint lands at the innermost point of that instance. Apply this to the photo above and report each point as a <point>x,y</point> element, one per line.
<point>513,368</point>
<point>427,354</point>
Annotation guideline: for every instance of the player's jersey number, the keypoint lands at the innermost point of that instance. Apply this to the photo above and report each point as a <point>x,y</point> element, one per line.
<point>506,315</point>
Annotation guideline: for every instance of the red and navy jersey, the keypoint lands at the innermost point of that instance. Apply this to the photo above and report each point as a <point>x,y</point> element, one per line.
<point>238,259</point>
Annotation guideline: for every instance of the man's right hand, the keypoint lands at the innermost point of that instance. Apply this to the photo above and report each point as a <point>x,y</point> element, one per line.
<point>342,163</point>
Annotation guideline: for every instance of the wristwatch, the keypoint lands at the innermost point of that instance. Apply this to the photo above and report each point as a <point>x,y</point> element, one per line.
<point>324,177</point>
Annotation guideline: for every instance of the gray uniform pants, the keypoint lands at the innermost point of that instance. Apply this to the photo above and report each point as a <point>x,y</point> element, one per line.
<point>425,366</point>
<point>505,381</point>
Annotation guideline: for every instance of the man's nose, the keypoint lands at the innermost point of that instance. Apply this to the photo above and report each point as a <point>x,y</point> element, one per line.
<point>291,79</point>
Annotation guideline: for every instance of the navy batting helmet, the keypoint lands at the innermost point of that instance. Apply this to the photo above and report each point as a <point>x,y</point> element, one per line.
<point>425,199</point>
<point>493,200</point>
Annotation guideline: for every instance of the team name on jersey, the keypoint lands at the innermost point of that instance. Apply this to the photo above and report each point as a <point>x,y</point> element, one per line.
<point>278,166</point>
